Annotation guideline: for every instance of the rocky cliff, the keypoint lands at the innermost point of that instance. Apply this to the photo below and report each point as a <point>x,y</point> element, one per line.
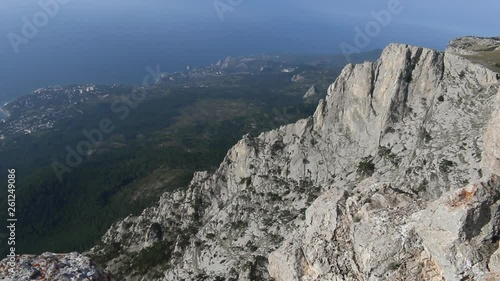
<point>312,95</point>
<point>395,177</point>
<point>48,266</point>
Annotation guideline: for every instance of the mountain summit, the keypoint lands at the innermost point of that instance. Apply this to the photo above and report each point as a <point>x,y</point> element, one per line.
<point>394,177</point>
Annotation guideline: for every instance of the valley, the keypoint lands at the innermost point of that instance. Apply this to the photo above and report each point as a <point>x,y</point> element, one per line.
<point>70,193</point>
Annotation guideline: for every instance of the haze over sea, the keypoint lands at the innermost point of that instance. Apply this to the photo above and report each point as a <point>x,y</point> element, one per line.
<point>90,41</point>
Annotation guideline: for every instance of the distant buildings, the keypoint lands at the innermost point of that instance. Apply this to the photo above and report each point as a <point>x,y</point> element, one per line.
<point>45,106</point>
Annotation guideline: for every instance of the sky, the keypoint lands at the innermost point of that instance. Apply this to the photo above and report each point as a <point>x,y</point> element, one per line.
<point>458,17</point>
<point>110,41</point>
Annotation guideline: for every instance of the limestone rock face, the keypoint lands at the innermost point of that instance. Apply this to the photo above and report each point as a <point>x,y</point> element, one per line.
<point>395,177</point>
<point>461,230</point>
<point>48,266</point>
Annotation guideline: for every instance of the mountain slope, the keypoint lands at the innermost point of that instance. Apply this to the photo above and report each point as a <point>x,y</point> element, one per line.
<point>392,140</point>
<point>182,126</point>
<point>395,177</point>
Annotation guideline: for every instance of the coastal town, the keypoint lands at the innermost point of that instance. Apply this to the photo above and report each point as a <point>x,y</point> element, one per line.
<point>42,108</point>
<point>45,106</point>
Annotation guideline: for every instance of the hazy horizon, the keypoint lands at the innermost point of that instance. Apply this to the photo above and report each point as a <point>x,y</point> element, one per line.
<point>112,42</point>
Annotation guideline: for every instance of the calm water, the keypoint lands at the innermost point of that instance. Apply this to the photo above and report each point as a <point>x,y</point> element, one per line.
<point>88,47</point>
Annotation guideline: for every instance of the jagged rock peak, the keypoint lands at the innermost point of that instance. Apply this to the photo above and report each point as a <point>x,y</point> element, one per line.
<point>311,94</point>
<point>342,195</point>
<point>410,116</point>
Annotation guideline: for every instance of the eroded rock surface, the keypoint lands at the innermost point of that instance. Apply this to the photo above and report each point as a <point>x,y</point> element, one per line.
<point>395,177</point>
<point>49,266</point>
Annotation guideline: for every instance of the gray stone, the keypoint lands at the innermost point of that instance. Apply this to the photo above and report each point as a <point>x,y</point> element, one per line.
<point>394,177</point>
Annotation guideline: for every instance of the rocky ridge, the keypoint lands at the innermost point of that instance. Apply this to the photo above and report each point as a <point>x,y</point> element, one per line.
<point>395,177</point>
<point>395,142</point>
<point>312,95</point>
<point>48,266</point>
<point>472,45</point>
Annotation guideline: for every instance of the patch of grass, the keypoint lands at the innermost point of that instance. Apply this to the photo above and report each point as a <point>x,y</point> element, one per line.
<point>273,197</point>
<point>422,187</point>
<point>408,78</point>
<point>446,165</point>
<point>313,192</point>
<point>390,130</point>
<point>385,152</point>
<point>251,246</point>
<point>394,266</point>
<point>287,216</point>
<point>247,181</point>
<point>239,224</point>
<point>152,256</point>
<point>358,218</point>
<point>487,58</point>
<point>461,74</point>
<point>425,135</point>
<point>366,167</point>
<point>277,146</point>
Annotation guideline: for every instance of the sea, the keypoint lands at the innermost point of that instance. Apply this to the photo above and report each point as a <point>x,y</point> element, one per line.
<point>115,47</point>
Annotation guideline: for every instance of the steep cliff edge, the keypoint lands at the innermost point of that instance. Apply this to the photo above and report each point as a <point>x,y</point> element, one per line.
<point>392,142</point>
<point>393,178</point>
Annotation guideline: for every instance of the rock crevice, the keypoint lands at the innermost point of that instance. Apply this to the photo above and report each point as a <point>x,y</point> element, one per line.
<point>351,193</point>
